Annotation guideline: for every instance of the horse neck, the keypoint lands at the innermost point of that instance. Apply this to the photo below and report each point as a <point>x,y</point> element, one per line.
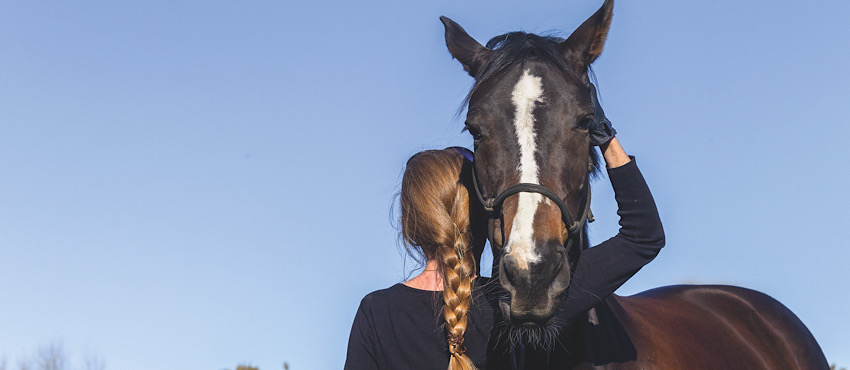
<point>600,335</point>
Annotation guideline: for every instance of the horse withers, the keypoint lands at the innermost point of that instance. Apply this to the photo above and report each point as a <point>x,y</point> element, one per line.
<point>528,112</point>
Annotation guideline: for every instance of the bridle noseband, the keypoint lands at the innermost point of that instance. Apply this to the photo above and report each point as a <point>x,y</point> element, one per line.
<point>493,206</point>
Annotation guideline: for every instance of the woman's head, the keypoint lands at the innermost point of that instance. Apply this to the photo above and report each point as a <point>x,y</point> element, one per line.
<point>436,222</point>
<point>434,201</point>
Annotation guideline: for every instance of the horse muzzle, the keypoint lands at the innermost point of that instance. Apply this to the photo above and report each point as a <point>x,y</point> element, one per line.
<point>535,285</point>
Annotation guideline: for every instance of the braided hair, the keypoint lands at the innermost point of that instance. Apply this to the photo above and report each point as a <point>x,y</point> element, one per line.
<point>435,222</point>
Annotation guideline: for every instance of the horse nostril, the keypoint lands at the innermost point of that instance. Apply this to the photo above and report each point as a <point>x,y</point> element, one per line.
<point>509,264</point>
<point>562,276</point>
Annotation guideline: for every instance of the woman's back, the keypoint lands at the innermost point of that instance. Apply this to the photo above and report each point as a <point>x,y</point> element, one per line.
<point>403,327</point>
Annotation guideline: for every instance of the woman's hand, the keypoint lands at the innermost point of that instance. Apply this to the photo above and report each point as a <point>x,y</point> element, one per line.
<point>600,129</point>
<point>602,134</point>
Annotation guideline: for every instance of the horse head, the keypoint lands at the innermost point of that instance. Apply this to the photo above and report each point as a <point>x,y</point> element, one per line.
<point>528,113</point>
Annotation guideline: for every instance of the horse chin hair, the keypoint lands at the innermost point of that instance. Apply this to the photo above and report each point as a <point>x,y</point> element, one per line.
<point>531,337</point>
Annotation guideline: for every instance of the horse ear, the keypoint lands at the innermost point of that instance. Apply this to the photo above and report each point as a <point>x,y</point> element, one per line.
<point>586,42</point>
<point>464,48</point>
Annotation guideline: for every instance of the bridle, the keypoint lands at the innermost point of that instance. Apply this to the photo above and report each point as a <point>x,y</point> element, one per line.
<point>493,206</point>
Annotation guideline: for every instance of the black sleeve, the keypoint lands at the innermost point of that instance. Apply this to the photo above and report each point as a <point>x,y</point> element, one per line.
<point>605,267</point>
<point>361,349</point>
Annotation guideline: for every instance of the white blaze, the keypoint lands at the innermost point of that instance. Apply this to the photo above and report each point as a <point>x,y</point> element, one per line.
<point>527,92</point>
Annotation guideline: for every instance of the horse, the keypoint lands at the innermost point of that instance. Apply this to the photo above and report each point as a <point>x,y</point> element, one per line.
<point>527,113</point>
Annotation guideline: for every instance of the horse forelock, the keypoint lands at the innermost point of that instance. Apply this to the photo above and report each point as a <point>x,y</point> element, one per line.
<point>515,48</point>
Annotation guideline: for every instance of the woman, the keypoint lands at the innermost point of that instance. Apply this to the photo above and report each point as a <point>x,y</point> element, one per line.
<point>398,327</point>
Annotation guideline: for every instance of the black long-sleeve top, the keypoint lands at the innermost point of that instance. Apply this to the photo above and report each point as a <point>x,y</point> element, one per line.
<point>402,327</point>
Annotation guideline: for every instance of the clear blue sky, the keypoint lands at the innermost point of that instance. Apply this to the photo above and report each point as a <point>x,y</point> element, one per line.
<point>195,184</point>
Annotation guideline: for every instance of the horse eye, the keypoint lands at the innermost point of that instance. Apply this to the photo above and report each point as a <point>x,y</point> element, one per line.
<point>584,123</point>
<point>476,134</point>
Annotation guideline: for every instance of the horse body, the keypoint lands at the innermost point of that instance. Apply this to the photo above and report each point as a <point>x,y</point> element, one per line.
<point>528,114</point>
<point>679,327</point>
<point>696,327</point>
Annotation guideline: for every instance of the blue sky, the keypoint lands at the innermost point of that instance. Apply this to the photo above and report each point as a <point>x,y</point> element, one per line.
<point>201,184</point>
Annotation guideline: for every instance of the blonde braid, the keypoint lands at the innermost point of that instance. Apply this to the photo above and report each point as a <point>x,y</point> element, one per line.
<point>458,272</point>
<point>435,219</point>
